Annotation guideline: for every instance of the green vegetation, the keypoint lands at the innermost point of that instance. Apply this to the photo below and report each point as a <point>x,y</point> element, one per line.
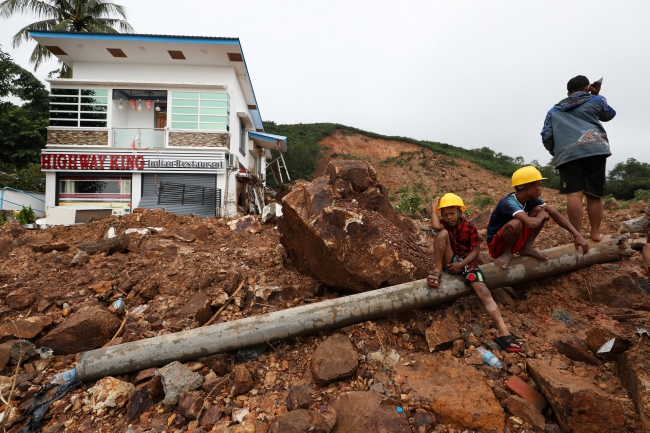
<point>481,201</point>
<point>626,178</point>
<point>26,215</point>
<point>409,203</point>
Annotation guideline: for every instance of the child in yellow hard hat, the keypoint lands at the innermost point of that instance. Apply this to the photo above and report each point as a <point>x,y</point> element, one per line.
<point>456,247</point>
<point>519,217</point>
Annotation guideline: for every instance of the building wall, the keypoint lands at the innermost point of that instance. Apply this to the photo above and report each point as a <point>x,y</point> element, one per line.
<point>77,137</point>
<point>199,139</point>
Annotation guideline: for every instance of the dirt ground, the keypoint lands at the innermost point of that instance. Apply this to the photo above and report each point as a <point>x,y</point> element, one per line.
<point>215,260</point>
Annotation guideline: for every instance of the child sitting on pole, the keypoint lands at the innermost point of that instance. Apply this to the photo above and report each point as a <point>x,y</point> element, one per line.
<point>519,217</point>
<point>457,245</point>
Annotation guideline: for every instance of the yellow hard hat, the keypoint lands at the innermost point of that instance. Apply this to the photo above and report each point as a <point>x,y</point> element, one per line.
<point>526,175</point>
<point>450,199</point>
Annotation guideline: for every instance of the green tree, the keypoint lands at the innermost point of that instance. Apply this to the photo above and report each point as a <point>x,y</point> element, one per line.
<point>628,177</point>
<point>22,128</point>
<point>77,16</point>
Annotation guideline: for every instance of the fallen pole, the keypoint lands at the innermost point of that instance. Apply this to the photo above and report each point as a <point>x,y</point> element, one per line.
<point>334,313</point>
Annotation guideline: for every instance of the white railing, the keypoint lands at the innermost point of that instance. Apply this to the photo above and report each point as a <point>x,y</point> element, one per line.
<point>139,138</point>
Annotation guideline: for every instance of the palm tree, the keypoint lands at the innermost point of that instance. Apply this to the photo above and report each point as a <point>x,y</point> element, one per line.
<point>96,16</point>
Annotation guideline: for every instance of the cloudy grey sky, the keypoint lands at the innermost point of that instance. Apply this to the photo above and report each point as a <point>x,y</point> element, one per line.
<point>470,73</point>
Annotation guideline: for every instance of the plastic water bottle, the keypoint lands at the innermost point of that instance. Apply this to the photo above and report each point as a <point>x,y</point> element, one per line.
<point>488,357</point>
<point>64,377</point>
<point>117,305</point>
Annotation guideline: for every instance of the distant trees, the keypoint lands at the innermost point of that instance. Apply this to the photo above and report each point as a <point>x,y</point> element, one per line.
<point>628,177</point>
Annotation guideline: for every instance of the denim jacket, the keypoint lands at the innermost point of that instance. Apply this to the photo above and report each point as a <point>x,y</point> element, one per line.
<point>572,129</point>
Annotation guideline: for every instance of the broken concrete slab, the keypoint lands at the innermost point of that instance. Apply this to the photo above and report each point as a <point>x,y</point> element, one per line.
<point>178,378</point>
<point>442,381</point>
<point>579,405</point>
<point>368,412</point>
<point>441,335</point>
<point>334,359</point>
<point>576,349</point>
<point>86,329</point>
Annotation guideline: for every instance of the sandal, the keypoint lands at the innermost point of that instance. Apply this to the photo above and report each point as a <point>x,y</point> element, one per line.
<point>433,280</point>
<point>506,343</point>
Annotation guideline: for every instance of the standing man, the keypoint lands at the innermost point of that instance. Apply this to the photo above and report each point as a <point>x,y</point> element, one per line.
<point>578,142</point>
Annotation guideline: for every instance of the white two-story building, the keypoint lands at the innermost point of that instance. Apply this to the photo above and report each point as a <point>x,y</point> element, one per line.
<point>154,121</point>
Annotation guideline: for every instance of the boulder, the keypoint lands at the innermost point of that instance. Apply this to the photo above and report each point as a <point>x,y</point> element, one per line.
<point>441,335</point>
<point>243,380</point>
<point>334,359</point>
<point>634,371</point>
<point>302,421</point>
<point>21,298</point>
<point>580,407</point>
<point>576,349</point>
<point>110,392</point>
<point>25,328</point>
<point>457,394</point>
<point>178,378</point>
<point>86,329</point>
<point>351,244</point>
<point>368,412</point>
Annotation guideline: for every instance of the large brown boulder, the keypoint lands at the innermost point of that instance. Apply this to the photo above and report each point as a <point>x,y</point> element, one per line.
<point>634,370</point>
<point>86,329</point>
<point>334,359</point>
<point>369,412</point>
<point>343,231</point>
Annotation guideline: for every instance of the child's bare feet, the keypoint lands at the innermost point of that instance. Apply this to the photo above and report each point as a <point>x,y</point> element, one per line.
<point>528,251</point>
<point>503,260</point>
<point>596,236</point>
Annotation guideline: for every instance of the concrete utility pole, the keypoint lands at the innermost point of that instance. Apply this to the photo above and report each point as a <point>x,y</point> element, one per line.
<point>334,313</point>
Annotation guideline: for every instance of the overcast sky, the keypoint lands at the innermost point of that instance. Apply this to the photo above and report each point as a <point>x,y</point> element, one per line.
<point>470,73</point>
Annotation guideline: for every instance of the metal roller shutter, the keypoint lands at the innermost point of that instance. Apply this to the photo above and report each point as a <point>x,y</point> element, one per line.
<point>176,199</point>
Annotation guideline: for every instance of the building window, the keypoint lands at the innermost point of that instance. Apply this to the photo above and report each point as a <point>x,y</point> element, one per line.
<point>242,138</point>
<point>78,107</point>
<point>98,191</point>
<point>207,111</point>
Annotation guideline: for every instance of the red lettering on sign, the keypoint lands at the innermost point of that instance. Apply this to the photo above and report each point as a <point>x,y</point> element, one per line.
<point>122,164</point>
<point>45,162</point>
<point>84,162</point>
<point>102,158</point>
<point>63,161</point>
<point>72,161</point>
<point>130,162</point>
<point>93,163</point>
<point>114,163</point>
<point>139,162</point>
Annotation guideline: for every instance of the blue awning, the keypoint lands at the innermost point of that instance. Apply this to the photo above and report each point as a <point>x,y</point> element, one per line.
<point>269,141</point>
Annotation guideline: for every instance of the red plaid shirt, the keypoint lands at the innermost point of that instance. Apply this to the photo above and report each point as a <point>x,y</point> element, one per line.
<point>463,237</point>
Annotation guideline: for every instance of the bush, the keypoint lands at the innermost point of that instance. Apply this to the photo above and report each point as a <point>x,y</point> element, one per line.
<point>26,216</point>
<point>482,201</point>
<point>409,203</point>
<point>642,194</point>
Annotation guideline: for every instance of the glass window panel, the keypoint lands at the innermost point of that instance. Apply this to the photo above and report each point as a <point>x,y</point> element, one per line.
<point>57,115</point>
<point>91,115</point>
<point>214,103</point>
<point>94,100</point>
<point>94,92</point>
<point>64,91</point>
<point>54,122</point>
<point>185,103</point>
<point>181,118</point>
<point>218,96</point>
<point>218,111</point>
<point>214,126</point>
<point>64,107</point>
<point>66,99</point>
<point>96,108</point>
<point>214,119</point>
<point>182,125</point>
<point>188,95</point>
<point>93,123</point>
<point>186,110</point>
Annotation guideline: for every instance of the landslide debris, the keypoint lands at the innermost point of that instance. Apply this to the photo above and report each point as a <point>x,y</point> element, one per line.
<point>380,374</point>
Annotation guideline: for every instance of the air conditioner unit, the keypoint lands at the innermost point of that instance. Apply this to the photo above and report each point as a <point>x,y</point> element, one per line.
<point>233,161</point>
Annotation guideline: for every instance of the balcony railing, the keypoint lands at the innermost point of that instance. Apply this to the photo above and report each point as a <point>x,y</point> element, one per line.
<point>139,138</point>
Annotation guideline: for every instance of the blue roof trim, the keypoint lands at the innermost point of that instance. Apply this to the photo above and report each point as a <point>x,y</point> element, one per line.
<point>137,38</point>
<point>268,137</point>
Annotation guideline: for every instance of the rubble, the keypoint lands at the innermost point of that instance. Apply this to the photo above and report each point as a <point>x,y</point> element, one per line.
<point>368,412</point>
<point>109,392</point>
<point>177,378</point>
<point>334,359</point>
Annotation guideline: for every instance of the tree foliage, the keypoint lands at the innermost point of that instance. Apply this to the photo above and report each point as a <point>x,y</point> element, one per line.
<point>626,178</point>
<point>22,128</point>
<point>92,16</point>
